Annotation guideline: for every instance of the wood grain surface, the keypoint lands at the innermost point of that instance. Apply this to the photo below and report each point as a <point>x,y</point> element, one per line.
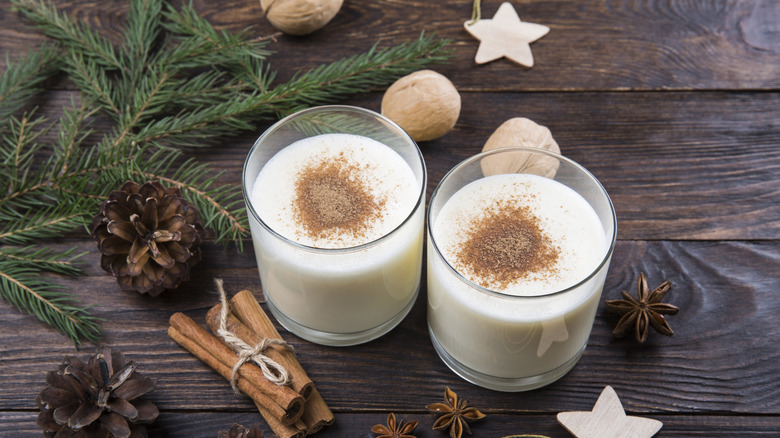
<point>672,105</point>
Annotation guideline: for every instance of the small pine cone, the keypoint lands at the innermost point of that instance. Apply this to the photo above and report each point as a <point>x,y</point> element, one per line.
<point>99,398</point>
<point>148,236</point>
<point>239,431</point>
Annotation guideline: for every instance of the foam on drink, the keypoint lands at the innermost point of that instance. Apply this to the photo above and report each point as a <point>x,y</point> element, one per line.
<point>526,237</point>
<point>335,191</point>
<point>355,204</point>
<point>520,234</point>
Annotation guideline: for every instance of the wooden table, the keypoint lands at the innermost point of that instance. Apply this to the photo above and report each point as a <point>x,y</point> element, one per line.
<point>674,106</point>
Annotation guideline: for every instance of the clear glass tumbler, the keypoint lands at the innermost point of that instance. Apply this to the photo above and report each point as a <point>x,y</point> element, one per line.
<point>527,337</point>
<point>347,294</point>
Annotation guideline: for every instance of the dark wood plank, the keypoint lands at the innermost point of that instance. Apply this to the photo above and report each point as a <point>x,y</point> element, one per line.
<point>358,425</point>
<point>724,342</point>
<point>689,165</point>
<point>677,165</point>
<point>674,106</point>
<point>613,45</point>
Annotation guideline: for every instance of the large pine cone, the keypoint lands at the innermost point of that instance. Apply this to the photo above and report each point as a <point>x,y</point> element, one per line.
<point>148,236</point>
<point>239,431</point>
<point>96,399</point>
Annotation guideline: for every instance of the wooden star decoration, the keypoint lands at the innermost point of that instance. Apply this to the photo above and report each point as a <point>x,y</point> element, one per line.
<point>608,420</point>
<point>505,36</point>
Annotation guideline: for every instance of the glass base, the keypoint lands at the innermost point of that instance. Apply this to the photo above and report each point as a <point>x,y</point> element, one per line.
<point>340,339</point>
<point>501,383</point>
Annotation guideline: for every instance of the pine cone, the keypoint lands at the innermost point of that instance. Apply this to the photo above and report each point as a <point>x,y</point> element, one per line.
<point>148,236</point>
<point>94,399</point>
<point>239,431</point>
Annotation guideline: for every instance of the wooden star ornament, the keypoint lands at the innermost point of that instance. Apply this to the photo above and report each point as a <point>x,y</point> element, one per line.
<point>608,420</point>
<point>505,36</point>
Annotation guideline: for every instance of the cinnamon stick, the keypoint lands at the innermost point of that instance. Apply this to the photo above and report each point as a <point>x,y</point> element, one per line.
<point>222,359</point>
<point>295,430</point>
<point>212,362</point>
<point>248,311</point>
<point>316,413</point>
<point>299,381</point>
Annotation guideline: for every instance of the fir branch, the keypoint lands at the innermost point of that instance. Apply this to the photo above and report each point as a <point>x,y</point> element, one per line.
<point>93,81</point>
<point>252,72</point>
<point>221,207</point>
<point>200,45</point>
<point>142,33</point>
<point>356,74</point>
<point>176,83</point>
<point>70,169</point>
<point>18,149</point>
<point>71,137</point>
<point>146,103</point>
<point>198,128</point>
<point>23,286</point>
<point>74,36</point>
<point>92,174</point>
<point>22,80</point>
<point>324,84</point>
<point>202,90</point>
<point>45,259</point>
<point>40,224</point>
<point>20,267</point>
<point>143,79</point>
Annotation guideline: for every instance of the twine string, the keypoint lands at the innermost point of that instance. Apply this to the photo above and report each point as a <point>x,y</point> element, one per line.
<point>476,12</point>
<point>271,369</point>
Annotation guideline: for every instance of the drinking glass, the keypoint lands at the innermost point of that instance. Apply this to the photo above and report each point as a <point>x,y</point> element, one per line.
<point>338,296</point>
<point>514,342</point>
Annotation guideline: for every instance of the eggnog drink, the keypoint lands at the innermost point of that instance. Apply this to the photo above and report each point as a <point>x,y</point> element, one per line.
<point>514,279</point>
<point>338,236</point>
<point>335,191</point>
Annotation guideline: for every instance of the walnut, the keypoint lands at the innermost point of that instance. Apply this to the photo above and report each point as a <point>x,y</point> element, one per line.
<point>300,17</point>
<point>520,131</point>
<point>425,103</point>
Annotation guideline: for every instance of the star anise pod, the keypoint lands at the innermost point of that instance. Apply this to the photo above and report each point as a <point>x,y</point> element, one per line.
<point>640,313</point>
<point>393,429</point>
<point>456,412</point>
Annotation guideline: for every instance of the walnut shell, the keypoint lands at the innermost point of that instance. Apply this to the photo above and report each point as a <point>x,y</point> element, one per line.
<point>425,103</point>
<point>300,17</point>
<point>520,131</point>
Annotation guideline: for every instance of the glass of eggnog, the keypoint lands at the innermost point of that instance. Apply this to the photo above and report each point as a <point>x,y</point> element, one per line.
<point>336,204</point>
<point>519,241</point>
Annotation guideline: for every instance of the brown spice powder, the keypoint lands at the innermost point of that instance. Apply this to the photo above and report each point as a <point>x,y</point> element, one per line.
<point>332,201</point>
<point>506,245</point>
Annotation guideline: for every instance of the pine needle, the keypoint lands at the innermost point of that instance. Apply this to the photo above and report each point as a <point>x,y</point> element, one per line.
<point>24,287</point>
<point>357,74</point>
<point>22,80</point>
<point>175,83</point>
<point>74,36</point>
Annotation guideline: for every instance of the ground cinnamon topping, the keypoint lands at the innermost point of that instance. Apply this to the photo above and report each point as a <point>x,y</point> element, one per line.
<point>331,200</point>
<point>505,245</point>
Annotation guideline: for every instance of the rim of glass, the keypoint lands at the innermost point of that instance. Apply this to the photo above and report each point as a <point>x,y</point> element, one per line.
<point>343,108</point>
<point>499,294</point>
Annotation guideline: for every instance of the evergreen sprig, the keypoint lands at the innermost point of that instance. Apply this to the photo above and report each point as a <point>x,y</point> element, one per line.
<point>21,81</point>
<point>24,287</point>
<point>358,73</point>
<point>175,83</point>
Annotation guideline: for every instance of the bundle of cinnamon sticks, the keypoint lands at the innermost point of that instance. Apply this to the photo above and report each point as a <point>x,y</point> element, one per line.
<point>291,411</point>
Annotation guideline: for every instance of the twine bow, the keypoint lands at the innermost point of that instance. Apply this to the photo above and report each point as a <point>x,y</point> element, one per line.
<point>271,369</point>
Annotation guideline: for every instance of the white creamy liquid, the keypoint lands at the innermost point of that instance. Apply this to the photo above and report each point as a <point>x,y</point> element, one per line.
<point>521,332</point>
<point>340,287</point>
<point>379,169</point>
